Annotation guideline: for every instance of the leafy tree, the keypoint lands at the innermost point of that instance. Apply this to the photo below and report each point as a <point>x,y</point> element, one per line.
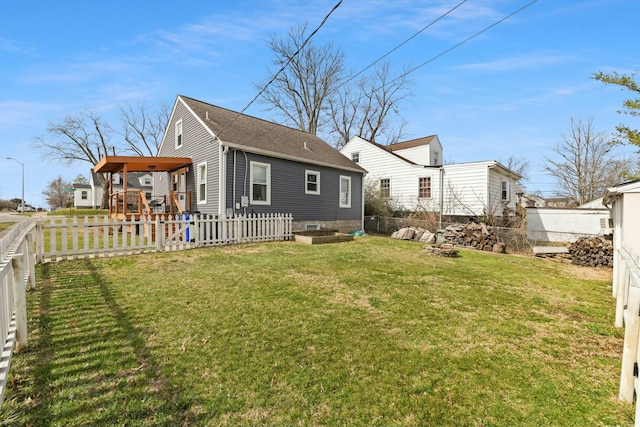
<point>87,137</point>
<point>630,107</point>
<point>585,165</point>
<point>55,197</point>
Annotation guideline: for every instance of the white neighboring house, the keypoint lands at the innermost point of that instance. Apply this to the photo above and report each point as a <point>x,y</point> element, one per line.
<point>411,173</point>
<point>624,202</point>
<point>89,196</point>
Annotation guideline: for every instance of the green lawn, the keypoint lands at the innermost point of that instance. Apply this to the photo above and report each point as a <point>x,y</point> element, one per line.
<point>370,332</point>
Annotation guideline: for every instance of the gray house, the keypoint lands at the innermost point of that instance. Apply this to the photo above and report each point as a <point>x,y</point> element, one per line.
<point>243,165</point>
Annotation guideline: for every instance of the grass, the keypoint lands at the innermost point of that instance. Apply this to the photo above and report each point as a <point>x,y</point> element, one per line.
<point>370,332</point>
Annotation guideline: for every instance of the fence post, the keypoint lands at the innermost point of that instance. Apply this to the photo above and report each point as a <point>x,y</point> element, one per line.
<point>31,259</point>
<point>20,301</point>
<point>630,349</point>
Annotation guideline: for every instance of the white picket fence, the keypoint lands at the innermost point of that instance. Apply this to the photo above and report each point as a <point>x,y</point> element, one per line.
<point>99,237</point>
<point>626,290</point>
<point>17,275</point>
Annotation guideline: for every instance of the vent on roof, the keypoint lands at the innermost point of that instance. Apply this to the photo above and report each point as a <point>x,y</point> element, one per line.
<point>206,114</point>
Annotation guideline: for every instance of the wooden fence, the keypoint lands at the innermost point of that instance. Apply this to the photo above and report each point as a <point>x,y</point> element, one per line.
<point>17,274</point>
<point>65,238</point>
<point>626,290</point>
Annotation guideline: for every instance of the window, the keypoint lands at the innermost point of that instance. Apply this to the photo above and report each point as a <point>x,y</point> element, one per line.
<point>436,158</point>
<point>312,182</point>
<point>424,188</point>
<point>345,192</point>
<point>260,183</point>
<point>385,187</point>
<point>355,157</point>
<point>505,191</point>
<point>148,195</point>
<point>84,195</point>
<point>179,134</point>
<point>146,180</point>
<point>202,182</point>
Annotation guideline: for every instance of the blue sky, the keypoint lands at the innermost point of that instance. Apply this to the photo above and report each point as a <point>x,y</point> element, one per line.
<point>510,91</point>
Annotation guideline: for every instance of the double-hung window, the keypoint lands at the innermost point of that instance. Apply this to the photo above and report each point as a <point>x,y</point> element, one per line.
<point>312,182</point>
<point>179,134</point>
<point>355,157</point>
<point>345,191</point>
<point>424,187</point>
<point>385,187</point>
<point>505,191</point>
<point>260,183</point>
<point>202,183</point>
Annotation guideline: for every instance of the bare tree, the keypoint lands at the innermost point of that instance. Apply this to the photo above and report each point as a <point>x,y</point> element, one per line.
<point>519,165</point>
<point>585,165</point>
<point>87,137</point>
<point>142,129</point>
<point>55,196</point>
<point>313,93</point>
<point>365,110</point>
<point>308,76</point>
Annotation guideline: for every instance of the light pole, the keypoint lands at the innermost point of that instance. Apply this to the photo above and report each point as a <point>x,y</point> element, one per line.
<point>21,164</point>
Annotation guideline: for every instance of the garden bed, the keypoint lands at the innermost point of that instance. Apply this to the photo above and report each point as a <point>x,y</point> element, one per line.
<point>315,237</point>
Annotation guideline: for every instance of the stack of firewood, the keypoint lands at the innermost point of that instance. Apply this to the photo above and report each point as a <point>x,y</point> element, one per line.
<point>474,235</point>
<point>591,252</point>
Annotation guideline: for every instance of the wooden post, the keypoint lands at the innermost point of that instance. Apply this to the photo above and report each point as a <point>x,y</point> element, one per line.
<point>630,349</point>
<point>20,301</point>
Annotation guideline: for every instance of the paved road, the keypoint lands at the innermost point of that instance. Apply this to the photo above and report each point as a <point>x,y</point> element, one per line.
<point>11,217</point>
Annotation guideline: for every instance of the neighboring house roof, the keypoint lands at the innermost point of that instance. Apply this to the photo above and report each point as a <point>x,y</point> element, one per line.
<point>81,185</point>
<point>259,136</point>
<point>425,140</point>
<point>594,204</point>
<point>612,193</point>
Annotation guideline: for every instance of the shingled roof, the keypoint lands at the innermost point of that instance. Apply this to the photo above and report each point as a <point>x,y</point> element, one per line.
<point>259,136</point>
<point>425,140</point>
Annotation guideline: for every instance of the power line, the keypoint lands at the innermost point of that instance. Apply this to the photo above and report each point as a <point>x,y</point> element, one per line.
<point>403,43</point>
<point>403,75</point>
<point>313,33</point>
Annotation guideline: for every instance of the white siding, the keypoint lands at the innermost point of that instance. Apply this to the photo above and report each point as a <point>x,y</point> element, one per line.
<point>565,225</point>
<point>630,223</point>
<point>403,176</point>
<point>465,189</point>
<point>429,154</point>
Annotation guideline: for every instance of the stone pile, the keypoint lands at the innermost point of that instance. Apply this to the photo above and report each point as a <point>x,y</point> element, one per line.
<point>417,234</point>
<point>591,252</point>
<point>443,249</point>
<point>474,235</point>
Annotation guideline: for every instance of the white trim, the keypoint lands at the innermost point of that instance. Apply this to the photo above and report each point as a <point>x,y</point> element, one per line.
<point>179,135</point>
<point>267,166</point>
<point>308,172</point>
<point>346,204</point>
<point>201,199</point>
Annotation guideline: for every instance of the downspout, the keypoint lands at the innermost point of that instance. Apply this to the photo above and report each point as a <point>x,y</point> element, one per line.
<point>222,175</point>
<point>441,196</point>
<point>362,205</point>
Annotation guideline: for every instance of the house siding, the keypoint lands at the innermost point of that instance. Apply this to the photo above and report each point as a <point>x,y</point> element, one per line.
<point>403,177</point>
<point>199,144</point>
<point>288,189</point>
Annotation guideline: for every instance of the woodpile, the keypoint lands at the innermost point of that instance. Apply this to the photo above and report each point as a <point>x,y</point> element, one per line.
<point>474,235</point>
<point>591,252</point>
<point>417,234</point>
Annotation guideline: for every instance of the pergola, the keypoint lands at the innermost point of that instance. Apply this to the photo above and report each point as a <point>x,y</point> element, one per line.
<point>125,164</point>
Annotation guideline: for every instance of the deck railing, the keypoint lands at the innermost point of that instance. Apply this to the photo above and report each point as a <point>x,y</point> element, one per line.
<point>17,274</point>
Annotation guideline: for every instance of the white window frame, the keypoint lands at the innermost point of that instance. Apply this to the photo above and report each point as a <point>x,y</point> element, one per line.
<point>306,182</point>
<point>202,181</point>
<point>268,183</point>
<point>388,188</point>
<point>355,157</point>
<point>84,194</point>
<point>504,190</point>
<point>346,203</point>
<point>179,134</point>
<point>430,181</point>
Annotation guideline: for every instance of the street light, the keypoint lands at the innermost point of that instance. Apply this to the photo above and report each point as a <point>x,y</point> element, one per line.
<point>21,164</point>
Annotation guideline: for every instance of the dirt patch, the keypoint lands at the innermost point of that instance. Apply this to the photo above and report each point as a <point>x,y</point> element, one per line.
<point>589,273</point>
